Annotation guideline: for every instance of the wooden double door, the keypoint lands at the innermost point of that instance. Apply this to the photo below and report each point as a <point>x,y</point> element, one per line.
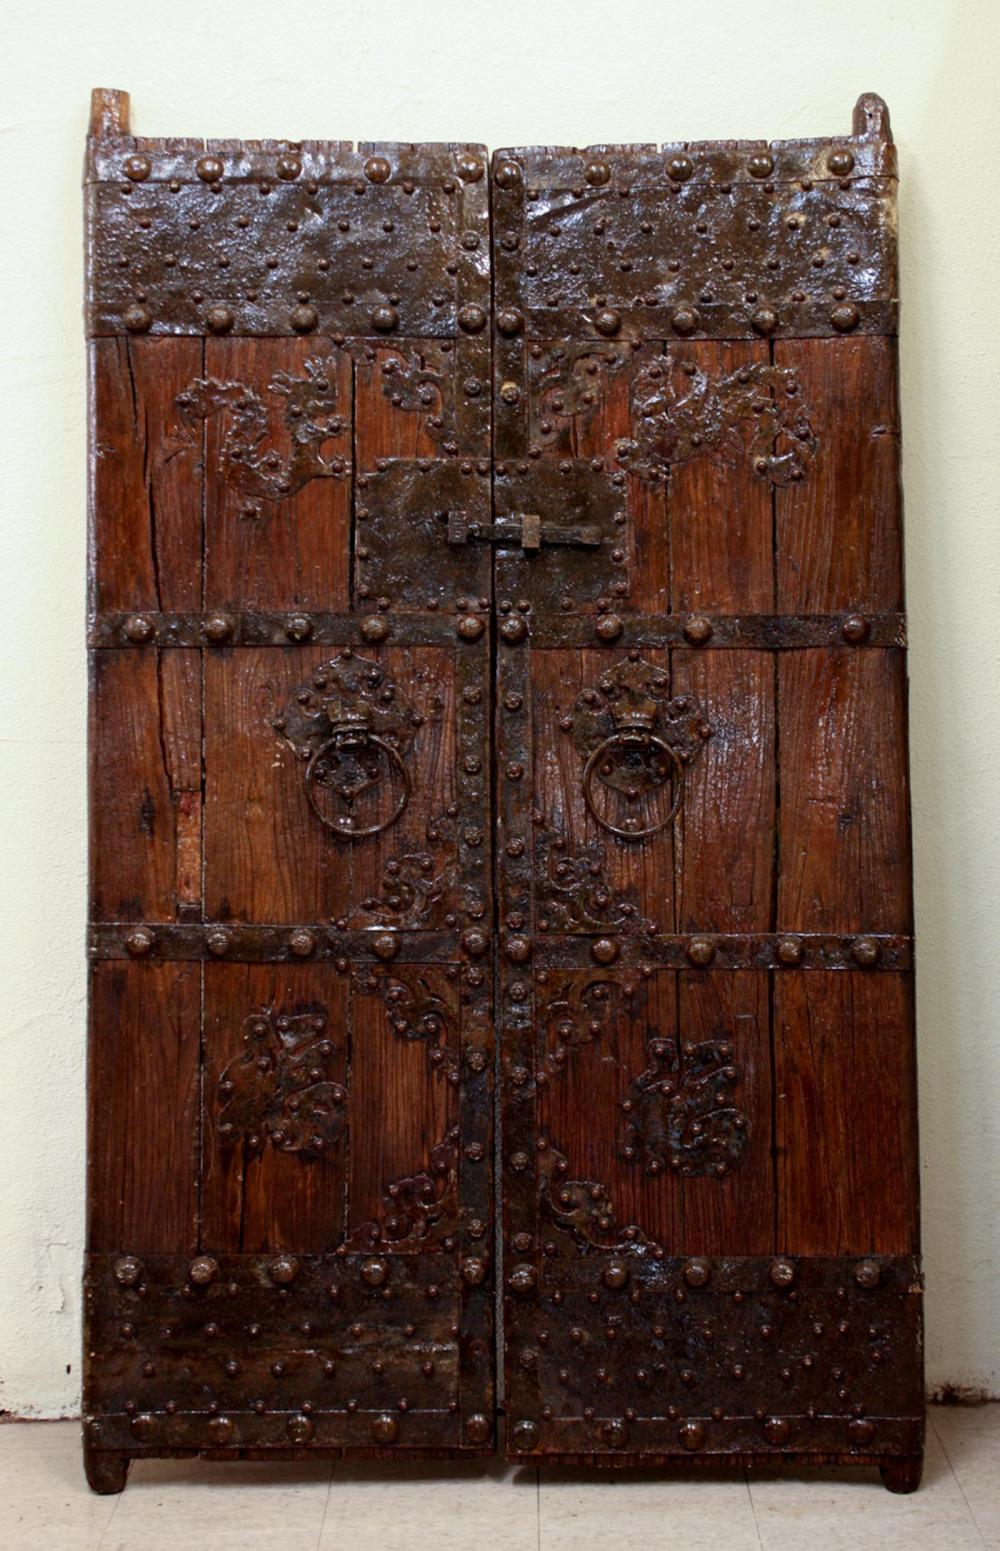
<point>500,855</point>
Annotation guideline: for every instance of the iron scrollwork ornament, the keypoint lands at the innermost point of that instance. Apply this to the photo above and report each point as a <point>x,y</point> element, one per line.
<point>680,1112</point>
<point>282,1088</point>
<point>636,741</point>
<point>353,728</point>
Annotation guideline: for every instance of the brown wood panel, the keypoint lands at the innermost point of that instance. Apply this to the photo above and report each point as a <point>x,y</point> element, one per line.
<point>142,1084</point>
<point>844,818</point>
<point>580,1110</point>
<point>402,1103</point>
<point>839,538</point>
<point>278,550</point>
<point>145,773</point>
<point>146,501</point>
<point>268,857</point>
<point>845,1113</point>
<point>637,872</point>
<point>724,833</point>
<point>404,400</point>
<point>261,1197</point>
<point>720,509</point>
<point>733,1214</point>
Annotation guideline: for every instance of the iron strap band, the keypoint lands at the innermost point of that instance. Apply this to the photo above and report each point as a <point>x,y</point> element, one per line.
<point>253,944</point>
<point>765,632</point>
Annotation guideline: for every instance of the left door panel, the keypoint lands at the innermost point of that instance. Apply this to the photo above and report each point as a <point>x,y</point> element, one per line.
<point>290,1089</point>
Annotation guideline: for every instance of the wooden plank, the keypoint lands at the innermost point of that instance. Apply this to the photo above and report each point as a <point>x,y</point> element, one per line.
<point>580,1105</point>
<point>145,486</point>
<point>639,873</point>
<point>268,857</point>
<point>844,819</point>
<point>404,405</point>
<point>273,550</point>
<point>720,509</point>
<point>733,1214</point>
<point>839,538</point>
<point>845,1097</point>
<point>142,1084</point>
<point>402,1103</point>
<point>145,770</point>
<point>261,1197</point>
<point>724,832</point>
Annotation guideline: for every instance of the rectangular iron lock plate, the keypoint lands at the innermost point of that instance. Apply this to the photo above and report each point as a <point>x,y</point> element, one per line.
<point>521,530</point>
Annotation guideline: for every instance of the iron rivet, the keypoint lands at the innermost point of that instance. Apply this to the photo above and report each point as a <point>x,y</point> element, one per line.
<point>139,942</point>
<point>470,627</point>
<point>761,165</point>
<point>375,628</point>
<point>604,950</point>
<point>375,1272</point>
<point>764,320</point>
<point>845,317</point>
<point>220,1429</point>
<point>143,1426</point>
<point>615,1434</point>
<point>776,1429</point>
<point>866,951</point>
<point>701,950</point>
<point>138,168</point>
<point>510,321</point>
<point>384,319</point>
<point>474,1271</point>
<point>219,942</point>
<point>685,320</point>
<point>288,167</point>
<point>220,319</point>
<point>203,1269</point>
<point>217,628</point>
<point>680,168</point>
<point>283,1270</point>
<point>477,1428</point>
<point>385,946</point>
<point>514,630</point>
<point>522,1278</point>
<point>302,943</point>
<point>475,942</point>
<point>697,1271</point>
<point>518,949</point>
<point>861,1430</point>
<point>691,1434</point>
<point>472,318</point>
<point>507,174</point>
<point>299,627</point>
<point>597,173</point>
<point>789,950</point>
<point>840,163</point>
<point>377,169</point>
<point>608,628</point>
<point>209,169</point>
<point>300,1428</point>
<point>608,321</point>
<point>385,1429</point>
<point>303,318</point>
<point>138,320</point>
<point>525,1436</point>
<point>782,1273</point>
<point>510,393</point>
<point>698,630</point>
<point>855,628</point>
<point>470,169</point>
<point>868,1273</point>
<point>615,1274</point>
<point>128,1270</point>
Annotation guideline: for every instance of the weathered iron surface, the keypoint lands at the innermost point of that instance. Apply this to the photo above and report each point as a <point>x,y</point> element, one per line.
<point>281,1089</point>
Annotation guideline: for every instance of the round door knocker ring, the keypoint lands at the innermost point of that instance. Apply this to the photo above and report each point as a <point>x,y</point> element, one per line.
<point>344,826</point>
<point>618,741</point>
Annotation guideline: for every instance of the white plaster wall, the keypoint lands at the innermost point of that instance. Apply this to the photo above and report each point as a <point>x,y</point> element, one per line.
<point>520,72</point>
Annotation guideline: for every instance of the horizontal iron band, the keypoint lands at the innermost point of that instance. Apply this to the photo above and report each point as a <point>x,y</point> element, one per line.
<point>767,632</point>
<point>653,1441</point>
<point>711,161</point>
<point>328,163</point>
<point>785,951</point>
<point>717,320</point>
<point>240,943</point>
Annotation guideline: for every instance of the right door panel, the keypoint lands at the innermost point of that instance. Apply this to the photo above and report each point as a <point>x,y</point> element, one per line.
<point>706,1020</point>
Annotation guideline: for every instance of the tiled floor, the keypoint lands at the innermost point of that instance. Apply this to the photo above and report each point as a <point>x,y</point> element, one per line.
<point>44,1502</point>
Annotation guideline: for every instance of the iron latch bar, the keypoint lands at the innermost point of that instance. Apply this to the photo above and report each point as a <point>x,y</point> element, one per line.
<point>521,530</point>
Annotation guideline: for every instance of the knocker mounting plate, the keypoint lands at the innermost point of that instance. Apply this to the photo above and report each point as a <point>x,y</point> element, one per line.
<point>637,743</point>
<point>353,727</point>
